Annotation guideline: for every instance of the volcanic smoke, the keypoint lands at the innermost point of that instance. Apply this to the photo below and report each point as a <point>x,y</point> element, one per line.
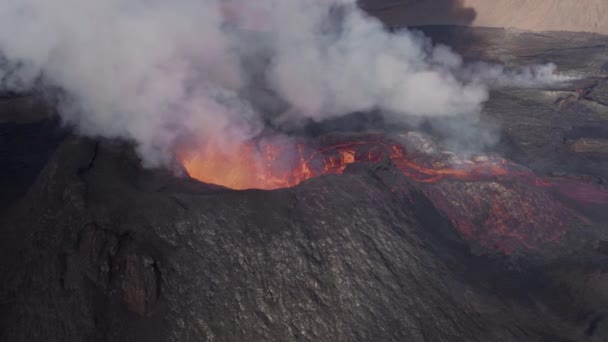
<point>216,84</point>
<point>159,73</point>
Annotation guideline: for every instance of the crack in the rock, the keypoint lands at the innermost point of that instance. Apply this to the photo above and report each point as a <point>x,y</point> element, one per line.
<point>84,169</point>
<point>581,94</point>
<point>179,203</point>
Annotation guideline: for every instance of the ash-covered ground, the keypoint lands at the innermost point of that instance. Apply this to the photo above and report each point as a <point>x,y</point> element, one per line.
<point>96,248</point>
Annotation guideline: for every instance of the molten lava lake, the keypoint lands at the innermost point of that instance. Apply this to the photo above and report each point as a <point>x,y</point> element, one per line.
<point>270,166</point>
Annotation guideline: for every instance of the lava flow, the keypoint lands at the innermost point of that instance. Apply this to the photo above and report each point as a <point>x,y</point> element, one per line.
<point>272,166</point>
<point>496,202</point>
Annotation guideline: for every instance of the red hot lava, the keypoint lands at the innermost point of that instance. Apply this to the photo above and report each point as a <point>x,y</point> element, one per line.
<point>524,213</point>
<point>270,166</point>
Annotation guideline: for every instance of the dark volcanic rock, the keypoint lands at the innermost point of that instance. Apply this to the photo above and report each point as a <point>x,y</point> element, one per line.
<point>103,250</point>
<point>538,124</point>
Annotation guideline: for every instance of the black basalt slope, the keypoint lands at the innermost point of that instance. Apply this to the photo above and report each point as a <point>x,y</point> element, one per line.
<point>102,250</point>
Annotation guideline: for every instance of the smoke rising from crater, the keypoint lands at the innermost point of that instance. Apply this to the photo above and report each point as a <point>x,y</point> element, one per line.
<point>157,72</point>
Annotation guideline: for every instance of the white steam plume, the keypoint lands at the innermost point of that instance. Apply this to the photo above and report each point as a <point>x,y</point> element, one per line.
<point>155,71</point>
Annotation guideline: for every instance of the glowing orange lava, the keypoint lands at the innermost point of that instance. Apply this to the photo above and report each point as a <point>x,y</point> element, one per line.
<point>267,167</point>
<point>511,207</point>
<point>272,166</point>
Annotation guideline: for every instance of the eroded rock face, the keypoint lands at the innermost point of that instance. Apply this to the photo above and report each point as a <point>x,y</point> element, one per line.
<point>92,259</point>
<point>109,261</point>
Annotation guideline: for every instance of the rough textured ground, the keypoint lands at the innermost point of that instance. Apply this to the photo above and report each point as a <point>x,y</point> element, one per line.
<point>94,248</point>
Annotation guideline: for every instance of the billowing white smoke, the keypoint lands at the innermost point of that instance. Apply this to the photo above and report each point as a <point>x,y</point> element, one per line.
<point>155,71</point>
<point>358,66</point>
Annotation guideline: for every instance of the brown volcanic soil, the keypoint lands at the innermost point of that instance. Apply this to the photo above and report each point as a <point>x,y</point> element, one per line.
<point>534,15</point>
<point>95,248</point>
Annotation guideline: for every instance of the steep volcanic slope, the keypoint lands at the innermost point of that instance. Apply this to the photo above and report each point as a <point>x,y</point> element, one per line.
<point>489,199</point>
<point>22,155</point>
<point>100,249</point>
